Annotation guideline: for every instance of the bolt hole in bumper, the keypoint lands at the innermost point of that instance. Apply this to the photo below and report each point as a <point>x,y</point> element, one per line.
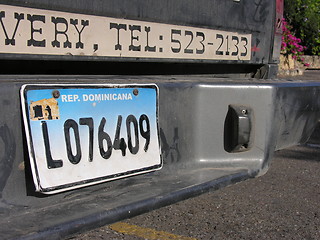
<point>213,132</point>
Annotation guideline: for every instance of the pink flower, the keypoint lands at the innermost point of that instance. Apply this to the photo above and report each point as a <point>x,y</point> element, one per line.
<point>290,44</point>
<point>284,44</point>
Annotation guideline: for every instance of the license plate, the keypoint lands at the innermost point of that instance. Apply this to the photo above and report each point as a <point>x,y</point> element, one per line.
<point>80,135</point>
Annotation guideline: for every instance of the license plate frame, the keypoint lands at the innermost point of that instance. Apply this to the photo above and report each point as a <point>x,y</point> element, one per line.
<point>70,133</point>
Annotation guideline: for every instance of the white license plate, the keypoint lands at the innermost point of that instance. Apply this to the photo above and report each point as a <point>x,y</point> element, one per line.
<point>80,135</point>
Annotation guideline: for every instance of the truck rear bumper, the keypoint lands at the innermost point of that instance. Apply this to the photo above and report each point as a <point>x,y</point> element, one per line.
<point>213,133</point>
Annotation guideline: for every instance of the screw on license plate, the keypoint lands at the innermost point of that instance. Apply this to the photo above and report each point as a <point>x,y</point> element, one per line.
<point>135,92</point>
<point>56,94</point>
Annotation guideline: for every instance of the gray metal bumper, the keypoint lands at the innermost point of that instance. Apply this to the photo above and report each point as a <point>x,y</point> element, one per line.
<point>195,139</point>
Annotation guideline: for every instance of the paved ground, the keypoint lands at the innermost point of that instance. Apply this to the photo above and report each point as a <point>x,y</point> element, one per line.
<point>283,204</point>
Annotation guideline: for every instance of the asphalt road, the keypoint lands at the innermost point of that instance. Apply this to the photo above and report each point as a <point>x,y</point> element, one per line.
<point>283,204</point>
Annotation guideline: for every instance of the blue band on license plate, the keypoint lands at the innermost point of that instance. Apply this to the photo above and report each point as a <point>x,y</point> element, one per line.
<point>80,135</point>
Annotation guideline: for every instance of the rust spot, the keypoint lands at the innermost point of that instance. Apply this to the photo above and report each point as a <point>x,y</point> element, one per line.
<point>21,166</point>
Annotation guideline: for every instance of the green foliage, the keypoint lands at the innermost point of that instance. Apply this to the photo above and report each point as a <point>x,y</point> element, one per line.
<point>304,17</point>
